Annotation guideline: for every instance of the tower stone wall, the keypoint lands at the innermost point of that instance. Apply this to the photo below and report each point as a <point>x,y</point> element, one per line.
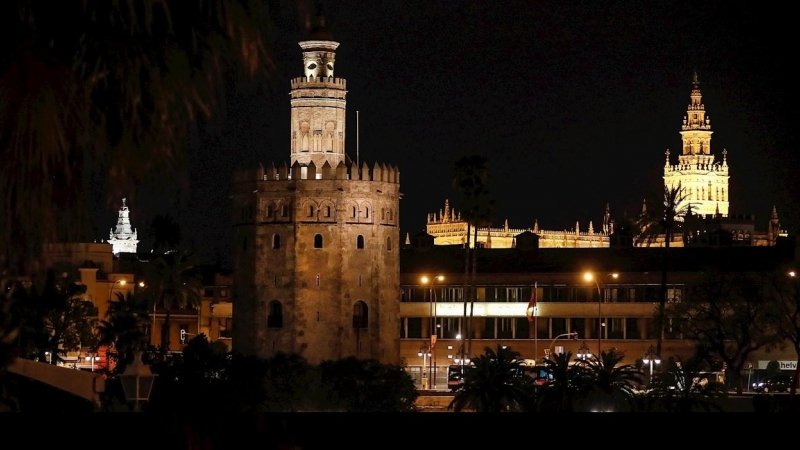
<point>316,242</point>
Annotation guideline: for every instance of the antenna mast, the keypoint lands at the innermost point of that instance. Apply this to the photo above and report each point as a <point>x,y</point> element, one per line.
<point>357,136</point>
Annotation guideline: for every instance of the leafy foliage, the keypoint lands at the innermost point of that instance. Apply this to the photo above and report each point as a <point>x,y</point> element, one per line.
<point>358,385</point>
<point>107,92</point>
<point>727,315</point>
<point>123,329</point>
<point>494,382</point>
<point>683,389</point>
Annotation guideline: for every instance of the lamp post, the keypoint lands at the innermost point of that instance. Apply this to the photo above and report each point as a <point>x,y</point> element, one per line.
<point>424,352</point>
<point>92,358</point>
<point>583,351</point>
<point>573,334</point>
<point>137,381</point>
<point>649,358</point>
<point>589,276</point>
<point>433,325</point>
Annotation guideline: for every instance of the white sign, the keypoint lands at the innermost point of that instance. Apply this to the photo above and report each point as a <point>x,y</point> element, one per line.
<point>785,365</point>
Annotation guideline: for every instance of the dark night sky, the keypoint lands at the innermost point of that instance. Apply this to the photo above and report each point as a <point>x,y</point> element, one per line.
<point>574,103</point>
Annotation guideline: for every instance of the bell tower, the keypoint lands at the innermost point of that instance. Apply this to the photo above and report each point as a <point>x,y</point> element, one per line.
<point>704,179</point>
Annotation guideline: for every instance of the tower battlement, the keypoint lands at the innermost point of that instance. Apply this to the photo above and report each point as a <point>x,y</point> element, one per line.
<point>318,82</point>
<point>379,172</point>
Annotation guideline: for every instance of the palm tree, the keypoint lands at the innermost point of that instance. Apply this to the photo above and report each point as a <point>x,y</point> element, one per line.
<point>106,92</point>
<point>684,389</point>
<point>494,383</point>
<point>610,386</point>
<point>123,329</point>
<point>471,178</point>
<point>663,218</point>
<point>174,282</point>
<point>563,390</point>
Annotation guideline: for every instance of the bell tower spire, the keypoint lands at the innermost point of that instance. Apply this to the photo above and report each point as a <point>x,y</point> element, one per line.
<point>704,180</point>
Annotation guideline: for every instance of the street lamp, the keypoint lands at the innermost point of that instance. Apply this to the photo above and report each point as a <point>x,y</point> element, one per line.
<point>137,381</point>
<point>121,282</point>
<point>583,351</point>
<point>649,358</point>
<point>92,358</point>
<point>573,335</point>
<point>589,276</point>
<point>433,325</point>
<point>424,352</point>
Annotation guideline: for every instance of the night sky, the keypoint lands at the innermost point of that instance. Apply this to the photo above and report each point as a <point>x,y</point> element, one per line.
<point>574,103</point>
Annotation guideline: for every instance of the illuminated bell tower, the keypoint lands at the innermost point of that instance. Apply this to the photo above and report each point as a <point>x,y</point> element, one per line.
<point>704,180</point>
<point>123,238</point>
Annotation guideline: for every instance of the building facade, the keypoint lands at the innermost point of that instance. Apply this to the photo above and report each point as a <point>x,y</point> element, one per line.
<point>316,250</point>
<point>617,309</point>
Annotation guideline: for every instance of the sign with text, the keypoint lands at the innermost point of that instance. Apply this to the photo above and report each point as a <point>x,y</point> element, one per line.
<point>785,365</point>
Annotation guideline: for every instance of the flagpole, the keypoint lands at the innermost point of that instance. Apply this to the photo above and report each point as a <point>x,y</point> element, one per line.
<point>535,327</point>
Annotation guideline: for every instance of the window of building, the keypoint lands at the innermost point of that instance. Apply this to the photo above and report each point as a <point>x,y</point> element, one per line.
<point>270,212</point>
<point>275,315</point>
<point>360,242</point>
<point>225,328</point>
<point>632,330</point>
<point>223,292</point>
<point>360,315</point>
<point>327,211</point>
<point>366,213</point>
<point>318,241</point>
<point>284,211</point>
<point>276,241</point>
<point>354,212</point>
<point>311,211</point>
<point>388,244</point>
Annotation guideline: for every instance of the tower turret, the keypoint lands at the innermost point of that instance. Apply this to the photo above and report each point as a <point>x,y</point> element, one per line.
<point>318,104</point>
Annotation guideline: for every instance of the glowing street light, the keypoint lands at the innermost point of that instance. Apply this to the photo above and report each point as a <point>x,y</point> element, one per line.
<point>589,276</point>
<point>583,351</point>
<point>424,353</point>
<point>649,358</point>
<point>433,325</point>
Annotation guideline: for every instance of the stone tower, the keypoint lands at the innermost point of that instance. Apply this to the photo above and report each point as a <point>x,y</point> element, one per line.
<point>704,180</point>
<point>123,238</point>
<point>316,243</point>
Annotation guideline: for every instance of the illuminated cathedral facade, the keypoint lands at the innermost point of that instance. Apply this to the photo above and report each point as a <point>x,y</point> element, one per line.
<point>701,175</point>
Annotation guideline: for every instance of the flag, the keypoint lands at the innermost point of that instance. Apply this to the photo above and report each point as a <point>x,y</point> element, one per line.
<point>531,306</point>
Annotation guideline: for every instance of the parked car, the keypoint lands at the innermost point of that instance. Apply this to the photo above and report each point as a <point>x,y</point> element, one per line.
<point>777,383</point>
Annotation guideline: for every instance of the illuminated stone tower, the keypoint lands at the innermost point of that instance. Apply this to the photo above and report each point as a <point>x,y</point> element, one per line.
<point>123,238</point>
<point>703,179</point>
<point>316,243</point>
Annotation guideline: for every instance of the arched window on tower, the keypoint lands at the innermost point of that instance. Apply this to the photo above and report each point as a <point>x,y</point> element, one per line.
<point>327,211</point>
<point>354,212</point>
<point>317,241</point>
<point>276,241</point>
<point>366,213</point>
<point>388,244</point>
<point>311,210</point>
<point>360,315</point>
<point>275,315</point>
<point>360,242</point>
